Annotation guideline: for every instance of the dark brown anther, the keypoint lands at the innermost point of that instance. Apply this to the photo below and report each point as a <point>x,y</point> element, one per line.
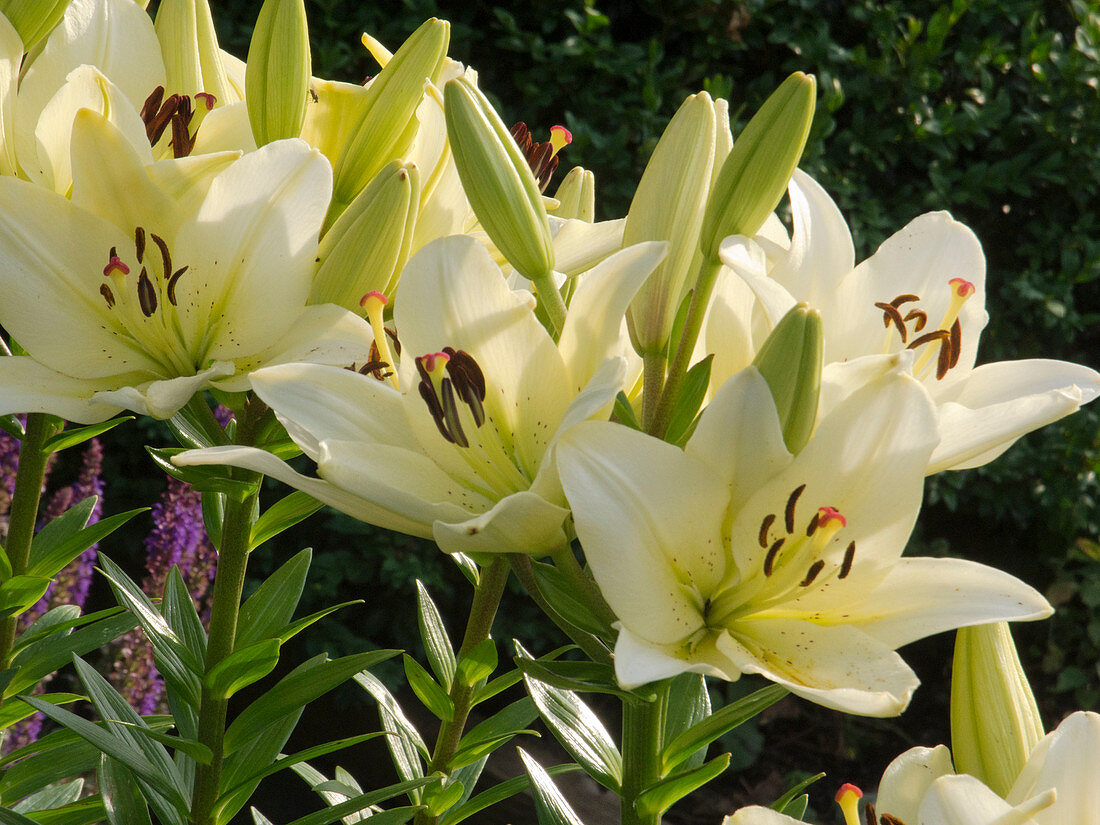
<point>890,313</point>
<point>428,394</point>
<point>765,526</point>
<point>539,156</point>
<point>108,296</point>
<point>886,819</point>
<point>521,136</point>
<point>182,143</point>
<point>769,559</point>
<point>869,814</point>
<point>928,337</point>
<point>158,119</point>
<point>393,337</point>
<point>165,255</point>
<point>152,104</point>
<point>147,294</point>
<point>172,284</point>
<point>375,366</point>
<point>904,298</point>
<point>811,528</point>
<point>919,316</point>
<point>450,413</point>
<point>846,565</point>
<point>956,342</point>
<point>792,500</point>
<point>943,360</point>
<point>811,574</point>
<point>139,244</point>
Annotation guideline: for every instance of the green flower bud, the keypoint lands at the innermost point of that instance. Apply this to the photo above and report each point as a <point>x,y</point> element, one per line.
<point>497,180</point>
<point>576,195</point>
<point>790,361</point>
<point>367,248</point>
<point>388,124</point>
<point>33,19</point>
<point>995,722</point>
<point>278,71</point>
<point>668,206</point>
<point>758,168</point>
<point>192,58</point>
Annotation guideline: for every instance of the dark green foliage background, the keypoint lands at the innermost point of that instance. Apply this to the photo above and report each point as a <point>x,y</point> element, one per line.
<point>989,109</point>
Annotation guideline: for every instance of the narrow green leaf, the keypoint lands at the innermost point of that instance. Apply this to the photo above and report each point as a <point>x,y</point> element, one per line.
<point>282,515</point>
<point>579,731</point>
<point>405,743</point>
<point>479,663</point>
<point>213,516</point>
<point>122,798</point>
<point>587,677</point>
<point>557,589</point>
<point>495,731</point>
<point>267,611</point>
<point>437,644</point>
<point>11,712</point>
<point>12,426</point>
<point>498,793</point>
<point>10,817</point>
<point>296,690</point>
<point>688,704</point>
<point>21,592</point>
<point>179,612</point>
<point>495,686</point>
<point>259,819</point>
<point>691,397</point>
<point>624,411</point>
<point>658,798</point>
<point>439,798</point>
<point>242,667</point>
<point>86,811</point>
<point>364,801</point>
<point>55,620</point>
<point>294,628</point>
<point>56,795</point>
<point>192,747</point>
<point>65,526</point>
<point>78,435</point>
<point>797,806</point>
<point>54,652</point>
<point>789,797</point>
<point>550,805</point>
<point>468,567</point>
<point>72,756</point>
<point>428,691</point>
<point>725,719</point>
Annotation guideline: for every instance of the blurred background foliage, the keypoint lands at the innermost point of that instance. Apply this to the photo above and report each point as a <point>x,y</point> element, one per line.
<point>989,109</point>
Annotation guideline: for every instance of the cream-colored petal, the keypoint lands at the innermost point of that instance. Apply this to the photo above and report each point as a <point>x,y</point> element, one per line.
<point>649,518</point>
<point>746,259</point>
<point>759,815</point>
<point>520,523</point>
<point>225,129</point>
<point>1065,760</point>
<point>55,285</point>
<point>252,248</point>
<point>838,667</point>
<point>163,399</point>
<point>579,245</point>
<point>261,461</point>
<point>921,596</point>
<point>333,110</point>
<point>187,180</point>
<point>327,403</point>
<point>11,56</point>
<point>27,386</point>
<point>728,327</point>
<point>638,662</point>
<point>593,330</point>
<point>906,781</point>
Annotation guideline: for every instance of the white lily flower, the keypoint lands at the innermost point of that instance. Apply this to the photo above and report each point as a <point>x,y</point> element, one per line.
<point>923,290</point>
<point>733,556</point>
<point>165,278</point>
<point>1058,785</point>
<point>456,443</point>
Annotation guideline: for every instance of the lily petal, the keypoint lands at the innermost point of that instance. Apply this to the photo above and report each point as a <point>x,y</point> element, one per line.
<point>520,523</point>
<point>964,800</point>
<point>639,662</point>
<point>27,386</point>
<point>1064,760</point>
<point>163,399</point>
<point>906,781</point>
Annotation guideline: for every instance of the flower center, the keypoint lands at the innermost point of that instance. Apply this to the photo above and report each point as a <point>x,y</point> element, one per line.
<point>541,157</point>
<point>945,341</point>
<point>140,303</point>
<point>178,112</point>
<point>446,378</point>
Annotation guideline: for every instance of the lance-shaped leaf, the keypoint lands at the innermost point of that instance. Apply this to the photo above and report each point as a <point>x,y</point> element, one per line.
<point>550,805</point>
<point>437,644</point>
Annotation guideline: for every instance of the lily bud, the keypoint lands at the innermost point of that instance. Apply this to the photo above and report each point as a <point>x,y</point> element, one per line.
<point>759,166</point>
<point>790,361</point>
<point>576,195</point>
<point>388,124</point>
<point>278,71</point>
<point>994,720</point>
<point>192,58</point>
<point>497,180</point>
<point>367,248</point>
<point>33,19</point>
<point>668,206</point>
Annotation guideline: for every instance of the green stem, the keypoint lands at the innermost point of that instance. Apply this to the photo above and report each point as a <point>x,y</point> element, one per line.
<point>487,595</point>
<point>643,737</point>
<point>24,511</point>
<point>677,372</point>
<point>224,612</point>
<point>591,645</point>
<point>552,303</point>
<point>653,381</point>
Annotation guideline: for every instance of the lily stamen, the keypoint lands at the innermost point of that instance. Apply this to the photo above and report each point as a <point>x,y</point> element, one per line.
<point>374,302</point>
<point>541,157</point>
<point>788,512</point>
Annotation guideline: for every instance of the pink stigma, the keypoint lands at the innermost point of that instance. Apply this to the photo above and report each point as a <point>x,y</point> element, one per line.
<point>963,288</point>
<point>827,514</point>
<point>374,293</point>
<point>435,360</point>
<point>115,265</point>
<point>848,789</point>
<point>560,137</point>
<point>208,100</point>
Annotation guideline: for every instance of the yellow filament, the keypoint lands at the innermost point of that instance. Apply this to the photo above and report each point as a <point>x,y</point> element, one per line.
<point>373,302</point>
<point>960,293</point>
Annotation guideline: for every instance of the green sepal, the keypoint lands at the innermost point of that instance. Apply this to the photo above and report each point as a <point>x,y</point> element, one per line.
<point>428,691</point>
<point>437,644</point>
<point>658,798</point>
<point>721,721</point>
<point>70,438</point>
<point>282,515</point>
